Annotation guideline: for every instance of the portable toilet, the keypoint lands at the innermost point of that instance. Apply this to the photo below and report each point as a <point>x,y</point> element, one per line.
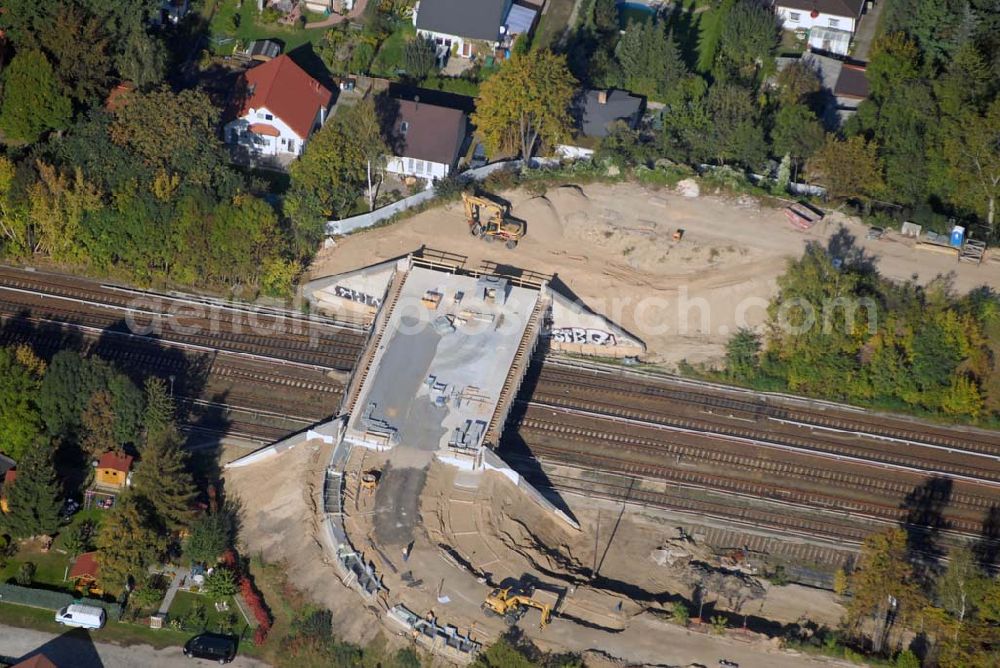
<point>957,236</point>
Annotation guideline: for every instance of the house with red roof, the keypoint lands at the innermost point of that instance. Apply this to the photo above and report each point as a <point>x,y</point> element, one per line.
<point>277,107</point>
<point>113,470</point>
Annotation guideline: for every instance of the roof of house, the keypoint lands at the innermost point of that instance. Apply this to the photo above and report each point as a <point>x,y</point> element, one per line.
<point>852,82</point>
<point>472,19</point>
<point>36,661</point>
<point>520,19</point>
<point>596,117</point>
<point>432,133</point>
<point>849,8</point>
<point>85,566</point>
<point>113,460</point>
<point>286,91</point>
<point>9,476</point>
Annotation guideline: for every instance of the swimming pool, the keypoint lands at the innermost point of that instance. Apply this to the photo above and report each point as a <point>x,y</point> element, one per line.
<point>635,12</point>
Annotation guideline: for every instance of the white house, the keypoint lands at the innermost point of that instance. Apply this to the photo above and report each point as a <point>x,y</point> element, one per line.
<point>426,139</point>
<point>457,25</point>
<point>276,109</point>
<point>806,14</point>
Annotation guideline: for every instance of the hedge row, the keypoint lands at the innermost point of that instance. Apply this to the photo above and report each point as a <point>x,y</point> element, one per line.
<point>51,600</point>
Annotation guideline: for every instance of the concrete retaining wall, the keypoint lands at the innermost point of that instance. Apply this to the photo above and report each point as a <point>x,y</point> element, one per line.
<point>493,462</point>
<point>365,220</point>
<point>577,329</point>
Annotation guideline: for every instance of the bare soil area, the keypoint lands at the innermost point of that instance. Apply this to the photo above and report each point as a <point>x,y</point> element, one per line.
<point>612,246</point>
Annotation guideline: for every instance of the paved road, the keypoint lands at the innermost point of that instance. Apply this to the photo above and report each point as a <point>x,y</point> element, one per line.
<point>76,648</point>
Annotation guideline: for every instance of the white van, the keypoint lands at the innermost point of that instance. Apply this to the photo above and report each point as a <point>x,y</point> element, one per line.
<point>82,616</point>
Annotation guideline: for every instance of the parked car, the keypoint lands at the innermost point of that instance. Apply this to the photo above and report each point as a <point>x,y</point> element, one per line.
<point>212,646</point>
<point>82,616</point>
<point>69,509</point>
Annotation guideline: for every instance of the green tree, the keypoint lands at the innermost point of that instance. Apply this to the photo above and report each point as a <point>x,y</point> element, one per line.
<point>972,154</point>
<point>79,538</point>
<point>649,60</point>
<point>78,47</point>
<point>98,422</point>
<point>210,536</point>
<point>735,135</point>
<point>840,582</point>
<point>127,543</point>
<point>502,654</point>
<point>33,498</point>
<point>324,183</point>
<point>960,589</point>
<point>20,419</point>
<point>163,480</point>
<point>363,124</point>
<point>796,83</point>
<point>32,103</point>
<point>173,132</point>
<point>606,16</point>
<point>743,355</point>
<point>419,57</point>
<point>526,103</point>
<point>220,583</point>
<point>796,132</point>
<point>747,42</point>
<point>848,168</point>
<point>884,582</point>
<point>142,60</point>
<point>158,416</point>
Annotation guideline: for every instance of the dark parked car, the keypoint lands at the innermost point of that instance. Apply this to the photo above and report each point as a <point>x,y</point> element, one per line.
<point>212,646</point>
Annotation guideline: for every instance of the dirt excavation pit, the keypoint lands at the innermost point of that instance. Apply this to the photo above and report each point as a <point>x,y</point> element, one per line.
<point>613,246</point>
<point>618,568</point>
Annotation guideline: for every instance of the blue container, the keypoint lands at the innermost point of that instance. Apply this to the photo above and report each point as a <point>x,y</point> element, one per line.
<point>957,236</point>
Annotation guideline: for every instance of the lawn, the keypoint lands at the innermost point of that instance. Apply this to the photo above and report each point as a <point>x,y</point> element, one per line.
<point>250,28</point>
<point>552,24</point>
<point>389,58</point>
<point>50,567</point>
<point>185,601</point>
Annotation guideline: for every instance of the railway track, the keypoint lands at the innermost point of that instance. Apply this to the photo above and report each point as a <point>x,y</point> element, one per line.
<point>46,301</point>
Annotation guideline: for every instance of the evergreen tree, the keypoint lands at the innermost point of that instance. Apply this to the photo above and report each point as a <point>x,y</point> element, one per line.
<point>162,479</point>
<point>127,542</point>
<point>20,420</point>
<point>33,498</point>
<point>159,414</point>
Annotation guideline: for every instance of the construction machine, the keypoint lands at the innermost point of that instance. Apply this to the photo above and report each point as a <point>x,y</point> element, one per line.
<point>490,220</point>
<point>512,602</point>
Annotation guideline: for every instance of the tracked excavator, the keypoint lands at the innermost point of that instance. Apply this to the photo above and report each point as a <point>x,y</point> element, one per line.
<point>490,220</point>
<point>512,602</point>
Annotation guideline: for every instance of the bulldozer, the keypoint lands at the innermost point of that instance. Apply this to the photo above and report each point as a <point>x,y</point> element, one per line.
<point>512,602</point>
<point>490,220</point>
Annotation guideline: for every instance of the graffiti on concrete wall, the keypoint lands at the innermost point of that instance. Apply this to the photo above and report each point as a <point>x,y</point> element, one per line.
<point>593,337</point>
<point>355,296</point>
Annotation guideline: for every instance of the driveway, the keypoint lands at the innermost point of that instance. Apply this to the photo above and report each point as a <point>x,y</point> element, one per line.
<point>76,648</point>
<point>865,34</point>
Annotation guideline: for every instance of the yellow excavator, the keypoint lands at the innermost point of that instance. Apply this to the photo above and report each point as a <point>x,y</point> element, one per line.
<point>512,602</point>
<point>490,220</point>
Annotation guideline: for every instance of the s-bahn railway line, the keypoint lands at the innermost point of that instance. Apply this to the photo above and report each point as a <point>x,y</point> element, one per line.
<point>197,323</point>
<point>778,459</point>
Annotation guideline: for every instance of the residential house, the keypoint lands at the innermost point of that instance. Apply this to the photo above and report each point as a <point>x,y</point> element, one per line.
<point>84,573</point>
<point>595,113</point>
<point>599,110</point>
<point>829,23</point>
<point>426,139</point>
<point>113,470</point>
<point>276,109</point>
<point>465,27</point>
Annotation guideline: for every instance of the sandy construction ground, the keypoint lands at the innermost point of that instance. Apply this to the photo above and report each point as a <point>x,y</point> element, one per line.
<point>611,244</point>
